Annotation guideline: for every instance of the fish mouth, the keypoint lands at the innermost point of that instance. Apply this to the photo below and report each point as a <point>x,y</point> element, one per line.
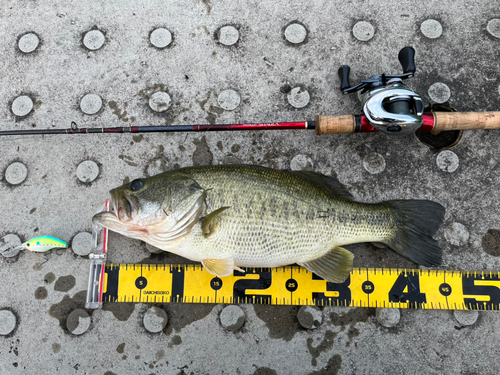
<point>124,206</point>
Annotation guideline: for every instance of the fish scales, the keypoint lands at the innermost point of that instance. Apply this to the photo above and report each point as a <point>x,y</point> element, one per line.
<point>276,217</point>
<point>248,216</point>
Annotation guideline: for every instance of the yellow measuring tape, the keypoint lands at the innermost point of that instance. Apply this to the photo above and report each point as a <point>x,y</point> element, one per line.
<point>293,285</point>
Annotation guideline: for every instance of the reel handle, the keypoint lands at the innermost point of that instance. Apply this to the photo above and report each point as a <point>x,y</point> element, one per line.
<point>344,71</point>
<point>407,59</point>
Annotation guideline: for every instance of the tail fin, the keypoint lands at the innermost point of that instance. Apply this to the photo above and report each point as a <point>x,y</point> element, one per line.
<point>416,222</point>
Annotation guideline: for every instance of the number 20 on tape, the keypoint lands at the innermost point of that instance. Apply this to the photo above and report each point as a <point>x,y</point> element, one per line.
<point>365,287</point>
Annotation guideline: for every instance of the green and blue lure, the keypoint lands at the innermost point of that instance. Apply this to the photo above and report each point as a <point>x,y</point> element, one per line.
<point>42,244</point>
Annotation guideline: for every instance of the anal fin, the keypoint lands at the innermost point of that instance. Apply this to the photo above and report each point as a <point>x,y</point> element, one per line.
<point>335,266</point>
<point>219,267</point>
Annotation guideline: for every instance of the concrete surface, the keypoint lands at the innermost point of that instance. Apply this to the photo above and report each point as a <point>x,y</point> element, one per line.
<point>262,66</point>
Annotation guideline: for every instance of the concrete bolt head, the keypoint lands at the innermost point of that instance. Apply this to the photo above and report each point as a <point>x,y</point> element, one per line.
<point>493,27</point>
<point>28,43</point>
<point>232,317</point>
<point>388,317</point>
<point>94,39</point>
<point>374,163</point>
<point>160,38</point>
<point>298,97</point>
<point>363,31</point>
<point>439,92</point>
<point>159,101</point>
<point>432,29</point>
<point>155,319</point>
<point>295,33</point>
<point>22,105</point>
<point>301,163</point>
<point>229,100</point>
<point>16,173</point>
<point>310,317</point>
<point>8,245</point>
<point>153,249</point>
<point>87,171</point>
<point>82,243</point>
<point>228,35</point>
<point>8,322</point>
<point>466,317</point>
<point>447,161</point>
<point>456,234</point>
<point>78,322</point>
<point>90,104</point>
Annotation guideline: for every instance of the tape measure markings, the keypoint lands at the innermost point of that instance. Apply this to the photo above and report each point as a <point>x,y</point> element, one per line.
<point>366,287</point>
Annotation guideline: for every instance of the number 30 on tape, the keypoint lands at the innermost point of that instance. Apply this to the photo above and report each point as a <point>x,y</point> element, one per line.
<point>365,287</point>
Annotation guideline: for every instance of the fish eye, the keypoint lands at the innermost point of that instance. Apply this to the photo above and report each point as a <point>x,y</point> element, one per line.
<point>136,184</point>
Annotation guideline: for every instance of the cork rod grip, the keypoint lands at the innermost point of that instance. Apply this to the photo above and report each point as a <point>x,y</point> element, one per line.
<point>335,124</point>
<point>444,121</point>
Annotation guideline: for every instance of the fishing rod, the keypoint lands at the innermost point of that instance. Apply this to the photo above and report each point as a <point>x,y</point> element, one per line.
<point>388,107</point>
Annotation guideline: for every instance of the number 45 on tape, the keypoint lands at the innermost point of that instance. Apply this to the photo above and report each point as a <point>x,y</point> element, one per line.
<point>293,285</point>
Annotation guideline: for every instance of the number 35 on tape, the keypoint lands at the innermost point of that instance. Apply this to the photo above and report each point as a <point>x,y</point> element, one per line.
<point>365,287</point>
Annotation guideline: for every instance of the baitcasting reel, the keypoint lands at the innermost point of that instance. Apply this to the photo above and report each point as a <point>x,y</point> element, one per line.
<point>388,105</point>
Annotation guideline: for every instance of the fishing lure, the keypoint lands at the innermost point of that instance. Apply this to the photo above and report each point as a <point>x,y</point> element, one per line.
<point>42,244</point>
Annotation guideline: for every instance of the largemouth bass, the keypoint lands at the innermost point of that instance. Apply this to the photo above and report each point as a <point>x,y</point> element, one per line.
<point>233,216</point>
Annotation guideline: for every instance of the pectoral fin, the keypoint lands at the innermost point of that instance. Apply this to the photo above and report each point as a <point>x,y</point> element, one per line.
<point>334,266</point>
<point>219,267</point>
<point>211,221</point>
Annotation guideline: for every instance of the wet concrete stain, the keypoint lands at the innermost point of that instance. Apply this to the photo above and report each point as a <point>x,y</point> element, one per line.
<point>202,103</point>
<point>41,292</point>
<point>121,311</point>
<point>202,155</point>
<point>65,283</point>
<point>120,348</point>
<point>281,321</point>
<point>220,146</point>
<point>121,114</point>
<point>324,345</point>
<point>491,242</point>
<point>352,317</point>
<point>37,266</point>
<point>182,315</point>
<point>56,348</point>
<point>61,310</point>
<point>208,4</point>
<point>332,367</point>
<point>160,354</point>
<point>145,93</point>
<point>235,148</point>
<point>264,371</point>
<point>49,278</point>
<point>128,160</point>
<point>138,138</point>
<point>176,340</point>
<point>215,110</point>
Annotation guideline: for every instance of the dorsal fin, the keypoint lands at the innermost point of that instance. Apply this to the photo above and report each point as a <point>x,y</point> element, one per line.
<point>210,222</point>
<point>331,184</point>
